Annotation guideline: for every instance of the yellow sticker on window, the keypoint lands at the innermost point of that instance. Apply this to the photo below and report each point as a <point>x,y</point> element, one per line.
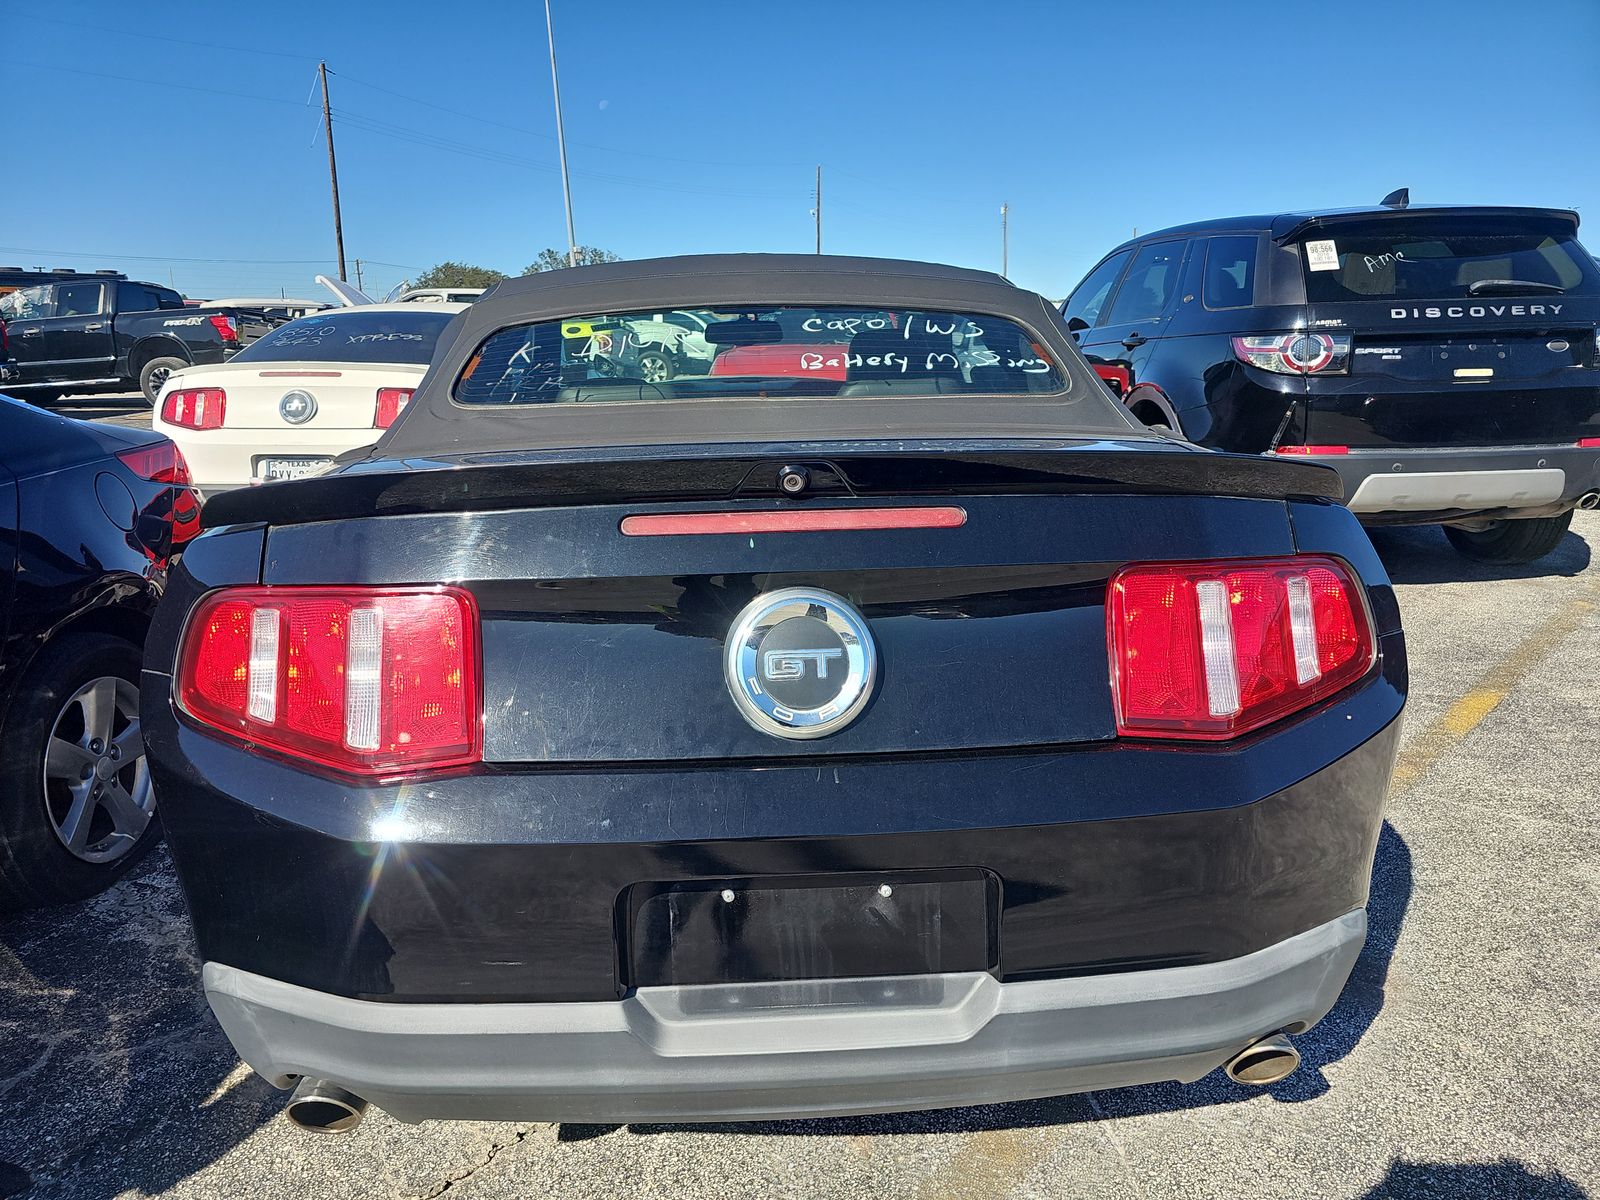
<point>577,329</point>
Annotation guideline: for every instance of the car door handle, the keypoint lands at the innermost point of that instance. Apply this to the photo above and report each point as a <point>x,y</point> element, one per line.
<point>1134,339</point>
<point>28,332</point>
<point>96,325</point>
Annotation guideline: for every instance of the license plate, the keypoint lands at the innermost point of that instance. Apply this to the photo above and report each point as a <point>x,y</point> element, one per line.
<point>299,467</point>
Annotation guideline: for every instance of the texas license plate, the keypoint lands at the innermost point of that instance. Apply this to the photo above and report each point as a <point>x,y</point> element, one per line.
<point>297,467</point>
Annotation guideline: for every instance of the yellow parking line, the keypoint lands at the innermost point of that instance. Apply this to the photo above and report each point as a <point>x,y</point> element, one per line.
<point>1467,713</point>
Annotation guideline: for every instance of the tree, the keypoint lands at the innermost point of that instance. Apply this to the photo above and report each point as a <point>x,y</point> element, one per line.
<point>458,275</point>
<point>552,259</point>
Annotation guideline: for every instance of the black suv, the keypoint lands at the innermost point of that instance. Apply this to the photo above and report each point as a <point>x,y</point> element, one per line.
<point>1444,361</point>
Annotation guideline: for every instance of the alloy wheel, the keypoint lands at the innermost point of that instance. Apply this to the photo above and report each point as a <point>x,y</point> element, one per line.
<point>96,782</point>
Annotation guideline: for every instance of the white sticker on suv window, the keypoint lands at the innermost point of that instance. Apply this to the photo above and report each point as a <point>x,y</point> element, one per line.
<point>1322,256</point>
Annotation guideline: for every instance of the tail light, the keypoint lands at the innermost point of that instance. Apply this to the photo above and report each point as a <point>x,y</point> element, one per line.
<point>1296,353</point>
<point>391,403</point>
<point>161,463</point>
<point>369,681</point>
<point>195,408</point>
<point>225,327</point>
<point>1312,450</point>
<point>1589,443</point>
<point>1213,650</point>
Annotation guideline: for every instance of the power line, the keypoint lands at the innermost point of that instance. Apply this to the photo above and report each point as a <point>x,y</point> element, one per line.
<point>159,83</point>
<point>175,258</point>
<point>157,37</point>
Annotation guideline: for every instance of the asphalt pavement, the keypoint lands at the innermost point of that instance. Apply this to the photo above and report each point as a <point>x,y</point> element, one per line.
<point>1455,1065</point>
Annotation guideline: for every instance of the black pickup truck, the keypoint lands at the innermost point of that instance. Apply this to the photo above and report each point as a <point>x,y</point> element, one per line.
<point>97,335</point>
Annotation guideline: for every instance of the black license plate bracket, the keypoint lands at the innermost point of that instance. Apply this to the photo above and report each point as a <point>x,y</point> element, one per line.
<point>770,928</point>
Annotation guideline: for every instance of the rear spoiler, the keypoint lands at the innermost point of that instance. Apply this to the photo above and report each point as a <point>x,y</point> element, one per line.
<point>475,483</point>
<point>1292,226</point>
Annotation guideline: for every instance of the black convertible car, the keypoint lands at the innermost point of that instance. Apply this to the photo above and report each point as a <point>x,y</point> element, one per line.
<point>871,717</point>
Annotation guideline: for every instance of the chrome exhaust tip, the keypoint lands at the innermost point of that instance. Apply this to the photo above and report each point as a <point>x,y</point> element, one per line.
<point>1265,1062</point>
<point>322,1107</point>
<point>1589,500</point>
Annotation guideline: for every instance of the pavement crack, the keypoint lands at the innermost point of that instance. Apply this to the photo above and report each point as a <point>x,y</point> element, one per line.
<point>495,1147</point>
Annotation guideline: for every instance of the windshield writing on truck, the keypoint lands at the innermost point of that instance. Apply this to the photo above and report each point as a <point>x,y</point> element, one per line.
<point>766,351</point>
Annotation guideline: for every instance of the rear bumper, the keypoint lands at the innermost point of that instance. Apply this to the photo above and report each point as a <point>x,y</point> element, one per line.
<point>1407,484</point>
<point>760,1051</point>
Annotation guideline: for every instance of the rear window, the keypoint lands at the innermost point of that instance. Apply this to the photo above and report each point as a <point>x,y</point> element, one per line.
<point>771,352</point>
<point>1443,258</point>
<point>350,335</point>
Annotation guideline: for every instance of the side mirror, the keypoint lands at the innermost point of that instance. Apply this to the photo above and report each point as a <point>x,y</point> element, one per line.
<point>1076,325</point>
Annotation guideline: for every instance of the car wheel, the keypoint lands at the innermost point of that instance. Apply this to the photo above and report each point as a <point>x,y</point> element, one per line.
<point>76,804</point>
<point>1512,541</point>
<point>656,366</point>
<point>154,375</point>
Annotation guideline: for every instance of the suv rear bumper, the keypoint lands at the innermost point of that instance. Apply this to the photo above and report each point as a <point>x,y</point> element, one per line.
<point>764,1051</point>
<point>1407,484</point>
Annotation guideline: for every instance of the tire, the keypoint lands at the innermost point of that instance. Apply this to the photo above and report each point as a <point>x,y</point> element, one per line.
<point>43,804</point>
<point>657,366</point>
<point>154,374</point>
<point>1513,541</point>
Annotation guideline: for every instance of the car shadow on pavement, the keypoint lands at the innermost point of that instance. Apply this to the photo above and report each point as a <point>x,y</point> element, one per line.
<point>1336,1036</point>
<point>1421,554</point>
<point>1507,1179</point>
<point>113,1074</point>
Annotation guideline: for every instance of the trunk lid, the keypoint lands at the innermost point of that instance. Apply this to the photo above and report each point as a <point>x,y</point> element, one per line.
<point>604,647</point>
<point>1467,327</point>
<point>342,395</point>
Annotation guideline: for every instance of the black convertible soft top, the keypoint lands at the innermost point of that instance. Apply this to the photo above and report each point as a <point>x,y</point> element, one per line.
<point>435,424</point>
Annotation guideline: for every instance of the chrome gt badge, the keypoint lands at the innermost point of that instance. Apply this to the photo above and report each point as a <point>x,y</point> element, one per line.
<point>297,407</point>
<point>800,663</point>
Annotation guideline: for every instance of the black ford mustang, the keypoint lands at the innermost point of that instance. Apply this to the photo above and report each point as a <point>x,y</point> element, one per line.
<point>872,716</point>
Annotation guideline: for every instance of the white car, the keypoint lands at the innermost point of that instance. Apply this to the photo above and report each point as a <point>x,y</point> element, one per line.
<point>673,343</point>
<point>290,402</point>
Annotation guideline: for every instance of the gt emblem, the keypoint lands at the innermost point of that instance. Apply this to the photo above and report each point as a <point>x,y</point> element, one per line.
<point>800,663</point>
<point>791,664</point>
<point>297,407</point>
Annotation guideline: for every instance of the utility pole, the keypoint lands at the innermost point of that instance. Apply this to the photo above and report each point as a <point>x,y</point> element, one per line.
<point>1005,240</point>
<point>817,211</point>
<point>359,285</point>
<point>561,139</point>
<point>333,168</point>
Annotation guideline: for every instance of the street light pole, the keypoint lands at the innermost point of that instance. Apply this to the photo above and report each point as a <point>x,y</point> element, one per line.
<point>561,139</point>
<point>1005,241</point>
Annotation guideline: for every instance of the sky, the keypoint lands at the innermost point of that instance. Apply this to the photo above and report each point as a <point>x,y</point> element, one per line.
<point>183,141</point>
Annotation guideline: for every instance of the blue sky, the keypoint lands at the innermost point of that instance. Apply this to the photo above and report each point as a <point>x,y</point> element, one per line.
<point>697,127</point>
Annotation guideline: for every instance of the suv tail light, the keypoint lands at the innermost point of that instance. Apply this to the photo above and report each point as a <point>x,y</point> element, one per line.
<point>1213,650</point>
<point>225,327</point>
<point>391,403</point>
<point>195,408</point>
<point>370,681</point>
<point>1296,353</point>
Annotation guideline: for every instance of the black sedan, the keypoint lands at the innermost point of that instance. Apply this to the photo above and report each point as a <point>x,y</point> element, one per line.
<point>873,717</point>
<point>89,516</point>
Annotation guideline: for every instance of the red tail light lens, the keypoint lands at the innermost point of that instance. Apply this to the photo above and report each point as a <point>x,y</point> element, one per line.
<point>1214,650</point>
<point>391,403</point>
<point>195,408</point>
<point>1296,353</point>
<point>160,463</point>
<point>1589,443</point>
<point>378,681</point>
<point>226,329</point>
